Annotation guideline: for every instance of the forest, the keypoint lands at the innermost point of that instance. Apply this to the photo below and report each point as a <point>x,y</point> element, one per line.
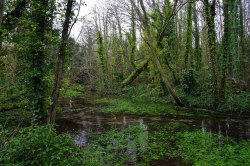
<point>132,82</point>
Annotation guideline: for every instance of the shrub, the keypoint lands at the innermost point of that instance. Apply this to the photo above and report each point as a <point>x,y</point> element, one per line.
<point>39,146</point>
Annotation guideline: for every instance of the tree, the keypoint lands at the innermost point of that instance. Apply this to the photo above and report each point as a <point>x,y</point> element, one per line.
<point>197,51</point>
<point>35,57</point>
<point>210,16</point>
<point>189,37</point>
<point>101,52</point>
<point>60,61</point>
<point>1,12</point>
<point>132,39</point>
<point>242,43</point>
<point>226,49</point>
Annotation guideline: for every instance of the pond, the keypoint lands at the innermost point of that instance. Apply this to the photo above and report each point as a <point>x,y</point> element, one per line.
<point>158,130</point>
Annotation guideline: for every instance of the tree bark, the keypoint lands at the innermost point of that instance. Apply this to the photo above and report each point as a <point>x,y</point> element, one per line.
<point>60,62</point>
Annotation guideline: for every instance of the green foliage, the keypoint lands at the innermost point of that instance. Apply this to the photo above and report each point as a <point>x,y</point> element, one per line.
<point>71,91</point>
<point>195,90</point>
<point>162,142</point>
<point>101,52</point>
<point>132,39</point>
<point>236,103</point>
<point>15,117</point>
<point>117,147</point>
<point>12,97</point>
<point>139,91</point>
<point>144,145</point>
<point>39,146</point>
<point>134,106</point>
<point>128,79</point>
<point>137,106</point>
<point>188,81</point>
<point>211,149</point>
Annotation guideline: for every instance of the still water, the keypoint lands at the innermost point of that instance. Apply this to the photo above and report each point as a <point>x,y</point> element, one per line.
<point>83,122</point>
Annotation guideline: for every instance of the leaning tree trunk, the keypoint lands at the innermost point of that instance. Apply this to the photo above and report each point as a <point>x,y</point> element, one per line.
<point>139,69</point>
<point>145,23</point>
<point>60,62</point>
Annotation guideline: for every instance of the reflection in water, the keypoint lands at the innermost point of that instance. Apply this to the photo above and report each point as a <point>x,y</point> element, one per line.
<point>131,151</point>
<point>70,104</point>
<point>81,138</point>
<point>227,128</point>
<point>203,126</point>
<point>124,121</point>
<point>91,122</point>
<point>219,135</point>
<point>83,123</point>
<point>143,136</point>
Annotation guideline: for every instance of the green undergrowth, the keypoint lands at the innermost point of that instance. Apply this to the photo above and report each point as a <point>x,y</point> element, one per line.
<point>133,106</point>
<point>212,149</point>
<point>145,145</point>
<point>140,145</point>
<point>71,90</point>
<point>37,146</point>
<point>12,97</point>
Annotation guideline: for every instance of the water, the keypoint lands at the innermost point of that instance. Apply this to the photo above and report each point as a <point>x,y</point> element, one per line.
<point>81,123</point>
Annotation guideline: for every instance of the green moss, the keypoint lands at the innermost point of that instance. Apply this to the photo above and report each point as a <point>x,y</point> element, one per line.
<point>138,67</point>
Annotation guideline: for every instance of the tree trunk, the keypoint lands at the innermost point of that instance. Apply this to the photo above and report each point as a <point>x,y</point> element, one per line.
<point>176,81</point>
<point>1,11</point>
<point>60,62</point>
<point>210,16</point>
<point>243,52</point>
<point>189,36</point>
<point>1,20</point>
<point>36,58</point>
<point>226,51</point>
<point>139,69</point>
<point>145,23</point>
<point>197,54</point>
